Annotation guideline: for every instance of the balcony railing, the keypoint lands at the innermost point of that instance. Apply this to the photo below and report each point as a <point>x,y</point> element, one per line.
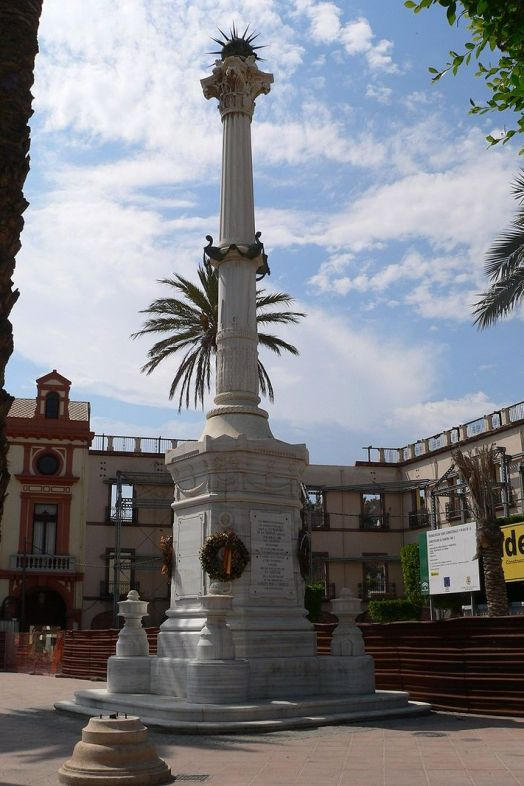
<point>127,513</point>
<point>316,519</point>
<point>122,444</point>
<point>418,518</point>
<point>378,590</point>
<point>42,563</point>
<point>447,439</point>
<point>458,509</point>
<point>369,521</point>
<point>106,588</point>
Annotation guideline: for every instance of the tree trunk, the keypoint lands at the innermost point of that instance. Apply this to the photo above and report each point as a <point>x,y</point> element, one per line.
<point>495,585</point>
<point>19,21</point>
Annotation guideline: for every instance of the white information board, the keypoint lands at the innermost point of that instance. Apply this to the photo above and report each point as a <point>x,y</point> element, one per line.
<point>453,564</point>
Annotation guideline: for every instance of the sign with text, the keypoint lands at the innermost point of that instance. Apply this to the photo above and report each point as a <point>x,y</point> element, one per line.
<point>513,551</point>
<point>452,559</point>
<point>271,555</point>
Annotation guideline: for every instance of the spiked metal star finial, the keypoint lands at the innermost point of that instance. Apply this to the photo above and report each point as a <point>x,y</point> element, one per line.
<point>235,45</point>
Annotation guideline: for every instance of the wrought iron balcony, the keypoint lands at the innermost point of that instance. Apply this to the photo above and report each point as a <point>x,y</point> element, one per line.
<point>316,519</point>
<point>42,563</point>
<point>106,588</point>
<point>127,513</point>
<point>378,590</point>
<point>418,518</point>
<point>371,521</point>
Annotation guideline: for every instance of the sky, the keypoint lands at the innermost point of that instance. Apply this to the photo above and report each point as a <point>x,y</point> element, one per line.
<point>375,192</point>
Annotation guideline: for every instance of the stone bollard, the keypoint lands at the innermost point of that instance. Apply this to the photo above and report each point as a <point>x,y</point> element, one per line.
<point>132,639</point>
<point>129,671</point>
<point>347,637</point>
<point>114,750</point>
<point>216,677</point>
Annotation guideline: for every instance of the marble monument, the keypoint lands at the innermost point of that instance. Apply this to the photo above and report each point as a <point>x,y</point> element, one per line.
<point>238,653</point>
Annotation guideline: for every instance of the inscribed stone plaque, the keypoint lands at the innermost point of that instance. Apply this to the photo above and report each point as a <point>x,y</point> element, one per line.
<point>271,555</point>
<point>188,571</point>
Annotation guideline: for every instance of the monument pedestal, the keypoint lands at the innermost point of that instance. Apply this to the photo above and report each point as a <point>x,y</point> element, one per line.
<point>252,487</point>
<point>246,659</point>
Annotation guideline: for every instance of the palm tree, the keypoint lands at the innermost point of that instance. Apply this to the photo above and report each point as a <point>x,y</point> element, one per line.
<point>505,268</point>
<point>191,324</point>
<point>478,471</point>
<point>19,21</point>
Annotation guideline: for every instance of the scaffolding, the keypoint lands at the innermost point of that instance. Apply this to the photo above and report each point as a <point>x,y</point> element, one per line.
<point>120,518</point>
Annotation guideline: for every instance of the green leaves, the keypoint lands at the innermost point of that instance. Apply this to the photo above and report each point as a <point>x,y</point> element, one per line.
<point>188,324</point>
<point>497,26</point>
<point>504,268</point>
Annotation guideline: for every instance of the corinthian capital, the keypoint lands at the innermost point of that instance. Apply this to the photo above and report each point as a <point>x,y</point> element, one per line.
<point>236,82</point>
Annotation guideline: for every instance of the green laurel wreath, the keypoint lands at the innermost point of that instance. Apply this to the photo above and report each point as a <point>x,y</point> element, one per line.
<point>223,556</point>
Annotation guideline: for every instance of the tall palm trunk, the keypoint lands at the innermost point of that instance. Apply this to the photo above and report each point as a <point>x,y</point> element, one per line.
<point>478,471</point>
<point>19,21</point>
<point>495,585</point>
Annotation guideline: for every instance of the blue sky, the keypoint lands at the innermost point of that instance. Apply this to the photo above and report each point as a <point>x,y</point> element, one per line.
<point>375,193</point>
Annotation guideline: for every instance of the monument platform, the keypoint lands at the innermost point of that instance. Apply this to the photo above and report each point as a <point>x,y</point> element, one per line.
<point>293,713</point>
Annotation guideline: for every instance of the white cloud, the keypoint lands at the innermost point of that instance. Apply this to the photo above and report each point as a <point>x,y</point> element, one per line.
<point>346,376</point>
<point>325,22</point>
<point>464,205</point>
<point>357,38</point>
<point>380,93</point>
<point>422,420</point>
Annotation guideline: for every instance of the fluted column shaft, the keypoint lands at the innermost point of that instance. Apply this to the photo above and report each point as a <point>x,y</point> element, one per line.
<point>236,82</point>
<point>237,205</point>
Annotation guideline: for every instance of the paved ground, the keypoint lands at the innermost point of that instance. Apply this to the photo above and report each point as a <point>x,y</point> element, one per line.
<point>436,750</point>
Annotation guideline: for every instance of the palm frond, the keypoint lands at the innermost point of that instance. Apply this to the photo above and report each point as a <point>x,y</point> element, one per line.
<point>500,299</point>
<point>504,268</point>
<point>477,468</point>
<point>276,344</point>
<point>280,317</point>
<point>266,388</point>
<point>265,300</point>
<point>505,255</point>
<point>189,325</point>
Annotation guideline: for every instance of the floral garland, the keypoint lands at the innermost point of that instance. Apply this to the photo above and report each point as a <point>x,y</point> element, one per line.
<point>223,556</point>
<point>168,559</point>
<point>304,553</point>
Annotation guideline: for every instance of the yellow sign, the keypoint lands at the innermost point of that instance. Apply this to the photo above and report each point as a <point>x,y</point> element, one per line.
<point>513,552</point>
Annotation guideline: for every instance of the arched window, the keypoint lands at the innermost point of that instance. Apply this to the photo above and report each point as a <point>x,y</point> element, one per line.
<point>52,403</point>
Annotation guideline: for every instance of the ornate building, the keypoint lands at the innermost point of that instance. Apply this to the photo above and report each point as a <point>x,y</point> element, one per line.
<point>43,529</point>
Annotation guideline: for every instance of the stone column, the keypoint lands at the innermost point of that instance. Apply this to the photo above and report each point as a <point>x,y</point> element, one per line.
<point>236,82</point>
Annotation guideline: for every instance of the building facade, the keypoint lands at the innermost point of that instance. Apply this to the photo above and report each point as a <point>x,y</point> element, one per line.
<point>43,534</point>
<point>128,517</point>
<point>361,516</point>
<point>89,517</point>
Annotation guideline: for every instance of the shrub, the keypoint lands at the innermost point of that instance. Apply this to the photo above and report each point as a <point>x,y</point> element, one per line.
<point>393,610</point>
<point>513,519</point>
<point>313,596</point>
<point>409,559</point>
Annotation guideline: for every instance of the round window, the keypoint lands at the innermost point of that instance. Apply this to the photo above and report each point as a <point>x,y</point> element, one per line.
<point>47,464</point>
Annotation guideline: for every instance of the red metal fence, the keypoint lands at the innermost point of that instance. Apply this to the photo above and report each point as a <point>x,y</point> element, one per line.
<point>31,653</point>
<point>470,664</point>
<point>86,652</point>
